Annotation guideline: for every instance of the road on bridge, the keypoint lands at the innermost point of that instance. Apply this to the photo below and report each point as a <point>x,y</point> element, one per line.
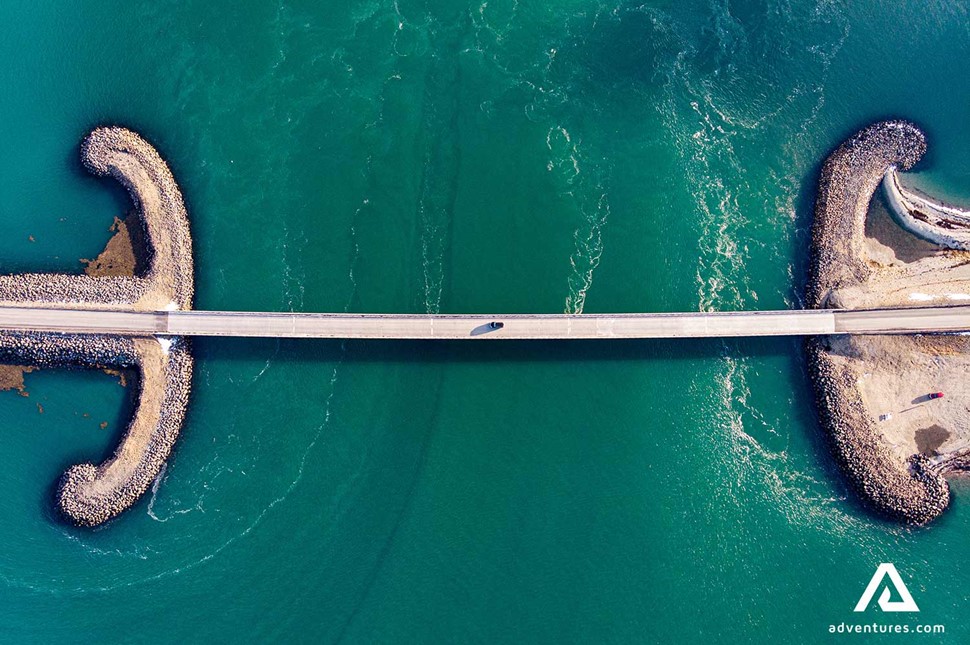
<point>476,326</point>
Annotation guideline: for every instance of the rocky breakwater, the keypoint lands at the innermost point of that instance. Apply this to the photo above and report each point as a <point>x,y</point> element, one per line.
<point>894,442</point>
<point>90,494</point>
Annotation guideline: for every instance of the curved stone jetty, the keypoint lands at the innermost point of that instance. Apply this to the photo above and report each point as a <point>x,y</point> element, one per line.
<point>88,494</point>
<point>168,282</point>
<point>893,445</point>
<point>849,177</point>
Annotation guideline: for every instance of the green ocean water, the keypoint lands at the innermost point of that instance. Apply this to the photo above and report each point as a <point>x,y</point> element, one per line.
<point>502,156</point>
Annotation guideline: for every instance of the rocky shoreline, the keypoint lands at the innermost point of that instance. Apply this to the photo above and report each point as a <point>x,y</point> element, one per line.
<point>843,274</point>
<point>849,178</point>
<point>87,494</point>
<point>908,491</point>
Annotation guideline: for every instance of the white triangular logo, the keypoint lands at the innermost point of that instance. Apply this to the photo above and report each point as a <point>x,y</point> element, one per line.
<point>887,569</point>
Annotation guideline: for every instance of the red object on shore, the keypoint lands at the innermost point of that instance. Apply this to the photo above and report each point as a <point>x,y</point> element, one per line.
<point>936,395</point>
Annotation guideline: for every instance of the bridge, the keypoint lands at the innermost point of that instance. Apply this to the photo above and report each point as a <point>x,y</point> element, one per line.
<point>907,320</point>
<point>112,320</point>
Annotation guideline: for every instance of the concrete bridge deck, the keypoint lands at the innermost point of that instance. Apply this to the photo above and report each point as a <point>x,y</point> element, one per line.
<point>475,326</point>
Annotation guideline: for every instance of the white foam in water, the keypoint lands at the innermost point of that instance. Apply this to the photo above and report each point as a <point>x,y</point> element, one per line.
<point>582,179</point>
<point>166,344</point>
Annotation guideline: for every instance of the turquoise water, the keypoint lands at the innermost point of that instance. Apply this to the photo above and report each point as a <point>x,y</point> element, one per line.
<point>443,157</point>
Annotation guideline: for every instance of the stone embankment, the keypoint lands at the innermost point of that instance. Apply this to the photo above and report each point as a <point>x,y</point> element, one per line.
<point>88,494</point>
<point>846,184</point>
<point>911,490</point>
<point>875,454</point>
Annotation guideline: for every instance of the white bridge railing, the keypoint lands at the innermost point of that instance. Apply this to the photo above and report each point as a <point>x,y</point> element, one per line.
<point>907,320</point>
